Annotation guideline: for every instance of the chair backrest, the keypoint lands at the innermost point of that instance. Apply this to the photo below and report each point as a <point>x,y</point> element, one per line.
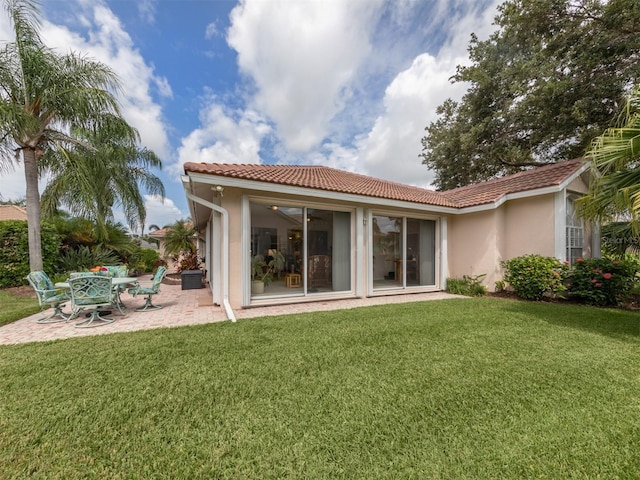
<point>117,271</point>
<point>157,278</point>
<point>42,284</point>
<point>89,274</point>
<point>91,290</point>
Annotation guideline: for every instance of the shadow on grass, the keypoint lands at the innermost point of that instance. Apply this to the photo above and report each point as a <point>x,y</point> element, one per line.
<point>604,321</point>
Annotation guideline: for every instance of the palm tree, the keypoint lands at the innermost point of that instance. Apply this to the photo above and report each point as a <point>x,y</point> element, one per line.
<point>42,94</point>
<point>91,181</point>
<point>614,192</point>
<point>180,238</point>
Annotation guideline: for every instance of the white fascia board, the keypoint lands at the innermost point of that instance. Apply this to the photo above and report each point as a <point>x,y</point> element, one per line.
<point>311,192</point>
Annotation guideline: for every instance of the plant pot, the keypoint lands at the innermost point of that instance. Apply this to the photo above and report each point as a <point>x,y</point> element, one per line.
<point>257,287</point>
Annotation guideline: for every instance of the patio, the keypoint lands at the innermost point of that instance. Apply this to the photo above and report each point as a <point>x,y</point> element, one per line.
<point>182,308</point>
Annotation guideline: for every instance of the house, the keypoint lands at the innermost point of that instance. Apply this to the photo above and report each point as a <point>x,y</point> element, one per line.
<point>12,212</point>
<point>345,235</point>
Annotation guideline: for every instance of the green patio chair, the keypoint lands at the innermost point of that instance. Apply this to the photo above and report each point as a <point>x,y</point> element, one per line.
<point>154,289</point>
<point>91,292</point>
<point>48,296</point>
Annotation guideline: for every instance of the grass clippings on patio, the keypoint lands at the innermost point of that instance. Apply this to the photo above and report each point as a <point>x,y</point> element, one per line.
<point>482,388</point>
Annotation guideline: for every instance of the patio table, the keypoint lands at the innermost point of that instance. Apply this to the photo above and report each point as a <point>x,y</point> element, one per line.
<point>116,283</point>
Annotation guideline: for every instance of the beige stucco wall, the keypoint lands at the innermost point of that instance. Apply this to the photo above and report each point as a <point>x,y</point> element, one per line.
<point>471,245</point>
<point>479,242</point>
<point>529,227</point>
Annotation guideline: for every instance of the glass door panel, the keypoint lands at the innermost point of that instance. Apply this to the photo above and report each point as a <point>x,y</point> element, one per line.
<point>387,251</point>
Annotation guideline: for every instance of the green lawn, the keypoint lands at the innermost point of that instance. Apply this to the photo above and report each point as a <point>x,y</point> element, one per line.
<point>469,388</point>
<point>15,308</point>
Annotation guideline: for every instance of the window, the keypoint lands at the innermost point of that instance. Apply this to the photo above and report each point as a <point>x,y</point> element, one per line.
<point>575,232</point>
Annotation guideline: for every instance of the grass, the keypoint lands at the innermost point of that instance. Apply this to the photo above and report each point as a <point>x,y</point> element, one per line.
<point>465,388</point>
<point>15,308</point>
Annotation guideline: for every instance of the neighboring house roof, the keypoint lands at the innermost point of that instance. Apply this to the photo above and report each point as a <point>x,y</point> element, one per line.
<point>159,233</point>
<point>493,190</point>
<point>331,179</point>
<point>12,212</point>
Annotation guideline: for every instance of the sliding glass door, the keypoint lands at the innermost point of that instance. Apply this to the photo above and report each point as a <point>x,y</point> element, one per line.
<point>403,253</point>
<point>299,251</point>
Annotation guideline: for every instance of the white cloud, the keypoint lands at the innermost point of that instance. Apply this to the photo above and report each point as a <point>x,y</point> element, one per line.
<point>159,213</point>
<point>147,10</point>
<point>211,31</point>
<point>302,57</point>
<point>162,213</point>
<point>391,148</point>
<point>225,136</point>
<point>109,43</point>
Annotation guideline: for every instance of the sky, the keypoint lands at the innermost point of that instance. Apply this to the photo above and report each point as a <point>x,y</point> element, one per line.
<point>349,84</point>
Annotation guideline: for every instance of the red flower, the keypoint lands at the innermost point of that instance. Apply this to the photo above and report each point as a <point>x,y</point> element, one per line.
<point>593,280</point>
<point>598,285</point>
<point>580,260</point>
<point>607,276</point>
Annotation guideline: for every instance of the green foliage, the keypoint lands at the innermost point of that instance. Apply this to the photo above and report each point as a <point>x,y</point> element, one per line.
<point>603,281</point>
<point>532,276</point>
<point>84,258</point>
<point>540,88</point>
<point>618,238</point>
<point>180,238</point>
<point>265,268</point>
<point>146,259</point>
<point>469,285</point>
<point>614,190</point>
<point>14,251</point>
<point>110,153</point>
<point>45,94</point>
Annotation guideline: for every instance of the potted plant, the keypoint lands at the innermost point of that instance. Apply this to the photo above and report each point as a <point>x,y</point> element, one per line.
<point>263,270</point>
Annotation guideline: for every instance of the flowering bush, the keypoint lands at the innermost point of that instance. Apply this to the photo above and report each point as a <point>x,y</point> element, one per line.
<point>602,281</point>
<point>532,276</point>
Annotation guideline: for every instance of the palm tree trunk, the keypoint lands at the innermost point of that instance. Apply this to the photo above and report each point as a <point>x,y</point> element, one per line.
<point>33,208</point>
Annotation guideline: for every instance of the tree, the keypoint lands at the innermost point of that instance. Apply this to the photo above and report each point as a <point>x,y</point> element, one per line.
<point>42,94</point>
<point>111,155</point>
<point>179,241</point>
<point>541,87</point>
<point>614,191</point>
<point>180,238</point>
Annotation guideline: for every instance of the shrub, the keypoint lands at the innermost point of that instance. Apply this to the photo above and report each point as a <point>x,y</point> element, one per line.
<point>14,251</point>
<point>602,281</point>
<point>83,258</point>
<point>532,276</point>
<point>144,259</point>
<point>467,285</point>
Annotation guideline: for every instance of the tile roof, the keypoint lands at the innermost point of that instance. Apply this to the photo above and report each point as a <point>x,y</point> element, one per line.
<point>333,180</point>
<point>323,178</point>
<point>492,190</point>
<point>12,212</point>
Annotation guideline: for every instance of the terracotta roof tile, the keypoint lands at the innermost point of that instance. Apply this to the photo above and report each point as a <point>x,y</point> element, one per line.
<point>492,190</point>
<point>333,180</point>
<point>12,212</point>
<point>323,178</point>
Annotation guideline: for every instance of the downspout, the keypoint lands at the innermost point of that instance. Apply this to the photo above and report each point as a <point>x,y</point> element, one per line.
<point>225,251</point>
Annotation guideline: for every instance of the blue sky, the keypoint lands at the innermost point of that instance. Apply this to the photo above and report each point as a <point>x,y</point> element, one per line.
<point>349,84</point>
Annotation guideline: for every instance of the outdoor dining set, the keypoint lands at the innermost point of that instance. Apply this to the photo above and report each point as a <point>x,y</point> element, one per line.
<point>94,294</point>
